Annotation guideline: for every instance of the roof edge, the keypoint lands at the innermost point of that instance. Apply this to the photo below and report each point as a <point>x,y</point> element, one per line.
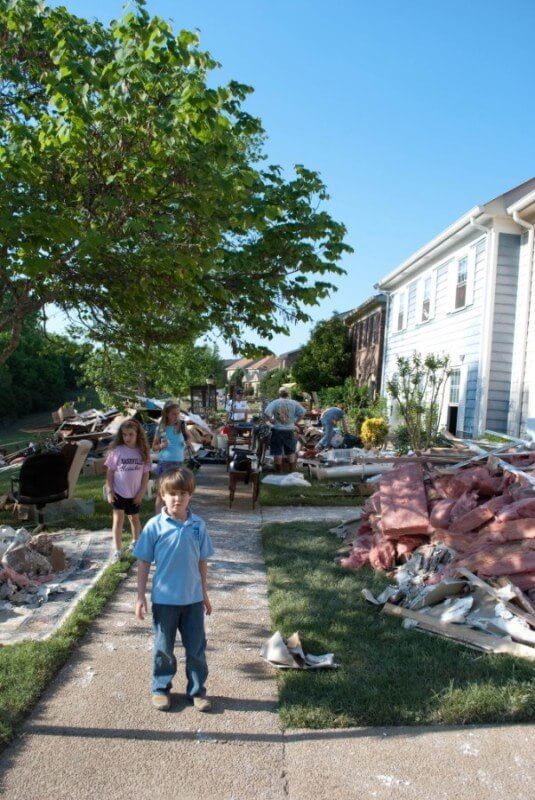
<point>455,227</point>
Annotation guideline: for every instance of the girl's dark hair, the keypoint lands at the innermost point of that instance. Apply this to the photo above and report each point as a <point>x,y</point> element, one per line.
<point>141,437</point>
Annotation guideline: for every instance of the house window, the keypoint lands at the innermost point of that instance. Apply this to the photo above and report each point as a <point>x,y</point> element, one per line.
<point>402,300</point>
<point>462,279</point>
<point>372,329</point>
<point>426,299</point>
<point>455,385</point>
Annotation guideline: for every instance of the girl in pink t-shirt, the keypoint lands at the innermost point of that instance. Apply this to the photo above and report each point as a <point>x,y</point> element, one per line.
<point>128,464</point>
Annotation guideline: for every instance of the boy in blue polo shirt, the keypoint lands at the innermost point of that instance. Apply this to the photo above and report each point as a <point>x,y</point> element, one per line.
<point>178,543</point>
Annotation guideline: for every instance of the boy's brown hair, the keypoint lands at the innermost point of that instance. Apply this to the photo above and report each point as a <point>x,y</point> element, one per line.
<point>177,480</point>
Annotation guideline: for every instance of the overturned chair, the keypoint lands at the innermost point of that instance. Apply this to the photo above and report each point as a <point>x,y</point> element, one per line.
<point>50,477</point>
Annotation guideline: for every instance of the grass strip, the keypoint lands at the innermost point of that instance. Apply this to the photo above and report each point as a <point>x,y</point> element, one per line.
<point>319,494</point>
<point>27,668</point>
<point>388,675</point>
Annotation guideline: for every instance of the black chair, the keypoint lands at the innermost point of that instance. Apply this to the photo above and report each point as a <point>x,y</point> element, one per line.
<point>43,479</point>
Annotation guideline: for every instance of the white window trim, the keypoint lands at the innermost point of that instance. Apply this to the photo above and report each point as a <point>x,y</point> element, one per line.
<point>461,405</point>
<point>401,296</point>
<point>432,274</point>
<point>470,254</point>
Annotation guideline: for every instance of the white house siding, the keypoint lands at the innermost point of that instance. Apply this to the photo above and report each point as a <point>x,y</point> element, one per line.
<point>523,384</point>
<point>454,333</point>
<point>503,332</point>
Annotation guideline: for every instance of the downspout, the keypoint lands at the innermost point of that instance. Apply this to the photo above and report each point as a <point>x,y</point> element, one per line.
<point>531,238</point>
<point>486,338</point>
<point>385,338</point>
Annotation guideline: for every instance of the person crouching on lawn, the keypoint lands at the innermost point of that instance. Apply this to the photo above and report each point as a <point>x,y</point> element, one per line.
<point>178,543</point>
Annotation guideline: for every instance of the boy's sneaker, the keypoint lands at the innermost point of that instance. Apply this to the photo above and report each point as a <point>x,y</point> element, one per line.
<point>161,701</point>
<point>201,704</point>
<point>116,556</point>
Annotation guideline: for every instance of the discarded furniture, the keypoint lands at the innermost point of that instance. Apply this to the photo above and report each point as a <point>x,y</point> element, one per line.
<point>203,399</point>
<point>249,477</point>
<point>49,477</point>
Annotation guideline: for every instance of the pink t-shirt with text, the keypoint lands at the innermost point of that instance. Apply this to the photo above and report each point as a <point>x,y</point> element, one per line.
<point>128,467</point>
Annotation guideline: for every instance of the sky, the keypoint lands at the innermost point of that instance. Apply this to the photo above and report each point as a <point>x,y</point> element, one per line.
<point>413,111</point>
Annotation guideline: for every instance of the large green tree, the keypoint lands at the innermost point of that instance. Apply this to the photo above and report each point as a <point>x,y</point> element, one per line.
<point>326,358</point>
<point>135,193</point>
<point>161,370</point>
<point>43,372</point>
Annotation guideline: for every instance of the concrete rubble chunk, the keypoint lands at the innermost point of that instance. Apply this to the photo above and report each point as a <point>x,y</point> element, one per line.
<point>24,560</point>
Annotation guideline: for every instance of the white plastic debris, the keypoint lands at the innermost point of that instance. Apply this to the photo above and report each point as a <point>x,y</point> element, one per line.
<point>292,479</point>
<point>290,654</point>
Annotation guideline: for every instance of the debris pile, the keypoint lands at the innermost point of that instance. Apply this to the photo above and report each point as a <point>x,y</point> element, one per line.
<point>27,562</point>
<point>452,539</point>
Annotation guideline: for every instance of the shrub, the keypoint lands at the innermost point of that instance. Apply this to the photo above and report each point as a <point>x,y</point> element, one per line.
<point>418,388</point>
<point>374,432</point>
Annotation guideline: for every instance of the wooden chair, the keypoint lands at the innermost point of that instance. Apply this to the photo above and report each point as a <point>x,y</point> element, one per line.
<point>251,477</point>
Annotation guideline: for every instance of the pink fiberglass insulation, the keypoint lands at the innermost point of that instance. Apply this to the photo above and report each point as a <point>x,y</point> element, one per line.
<point>480,479</point>
<point>7,573</point>
<point>513,530</point>
<point>440,513</point>
<point>457,542</point>
<point>449,486</point>
<point>359,556</point>
<point>496,504</point>
<point>382,555</point>
<point>404,501</point>
<point>519,510</point>
<point>494,560</point>
<point>472,520</point>
<point>407,544</point>
<point>463,505</point>
<point>524,580</point>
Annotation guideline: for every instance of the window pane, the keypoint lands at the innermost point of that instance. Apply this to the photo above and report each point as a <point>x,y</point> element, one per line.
<point>426,308</point>
<point>401,312</point>
<point>462,271</point>
<point>455,383</point>
<point>460,296</point>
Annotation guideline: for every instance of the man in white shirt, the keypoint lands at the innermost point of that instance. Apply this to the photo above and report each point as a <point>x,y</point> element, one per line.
<point>237,409</point>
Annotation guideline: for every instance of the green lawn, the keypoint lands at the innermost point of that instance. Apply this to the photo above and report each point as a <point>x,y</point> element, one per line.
<point>12,435</point>
<point>388,676</point>
<point>27,668</point>
<point>88,487</point>
<point>319,494</point>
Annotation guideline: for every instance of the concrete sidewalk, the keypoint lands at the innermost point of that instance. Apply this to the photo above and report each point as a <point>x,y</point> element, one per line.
<point>94,734</point>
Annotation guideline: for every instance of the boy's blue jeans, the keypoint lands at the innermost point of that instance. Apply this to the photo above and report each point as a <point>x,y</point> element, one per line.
<point>189,621</point>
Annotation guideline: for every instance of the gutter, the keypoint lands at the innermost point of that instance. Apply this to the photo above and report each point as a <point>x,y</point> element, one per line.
<point>457,226</point>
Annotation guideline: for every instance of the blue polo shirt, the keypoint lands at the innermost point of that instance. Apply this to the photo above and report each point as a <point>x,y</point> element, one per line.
<point>176,548</point>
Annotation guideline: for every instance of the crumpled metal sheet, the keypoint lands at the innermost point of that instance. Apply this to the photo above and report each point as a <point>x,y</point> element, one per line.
<point>290,654</point>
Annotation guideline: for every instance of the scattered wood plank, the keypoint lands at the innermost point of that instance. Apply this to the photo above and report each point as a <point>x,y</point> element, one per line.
<point>462,633</point>
<point>521,598</point>
<point>476,581</point>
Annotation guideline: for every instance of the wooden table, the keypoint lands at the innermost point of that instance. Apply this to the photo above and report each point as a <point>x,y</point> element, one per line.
<point>242,476</point>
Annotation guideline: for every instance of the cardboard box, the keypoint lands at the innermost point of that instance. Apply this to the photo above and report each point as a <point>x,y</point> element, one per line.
<point>94,466</point>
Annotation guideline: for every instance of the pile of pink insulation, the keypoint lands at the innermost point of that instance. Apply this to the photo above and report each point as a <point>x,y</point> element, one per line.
<point>481,512</point>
